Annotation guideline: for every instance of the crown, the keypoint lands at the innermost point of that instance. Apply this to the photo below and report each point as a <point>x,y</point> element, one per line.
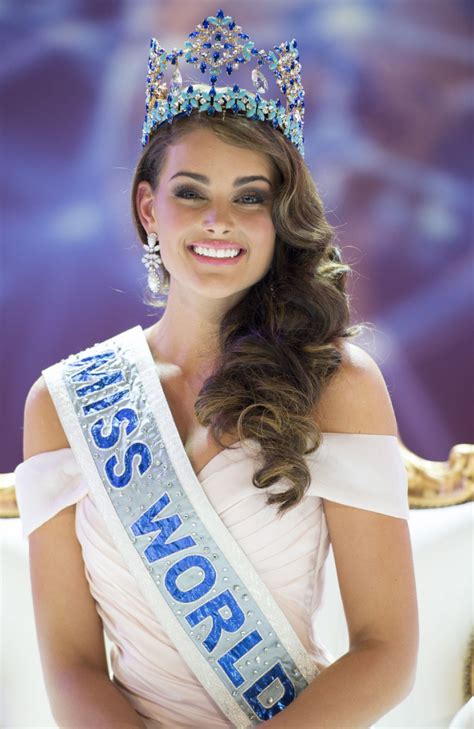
<point>218,44</point>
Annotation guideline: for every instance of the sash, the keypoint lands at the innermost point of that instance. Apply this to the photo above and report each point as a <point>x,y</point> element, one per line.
<point>197,580</point>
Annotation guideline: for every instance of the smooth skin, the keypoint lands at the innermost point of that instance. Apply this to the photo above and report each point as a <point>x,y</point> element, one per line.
<point>372,551</point>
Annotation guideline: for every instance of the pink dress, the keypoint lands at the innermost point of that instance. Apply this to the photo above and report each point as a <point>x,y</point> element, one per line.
<point>289,554</point>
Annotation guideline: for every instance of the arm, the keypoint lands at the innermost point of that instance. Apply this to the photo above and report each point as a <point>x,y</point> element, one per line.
<point>378,591</point>
<point>86,697</point>
<point>374,565</point>
<point>69,629</point>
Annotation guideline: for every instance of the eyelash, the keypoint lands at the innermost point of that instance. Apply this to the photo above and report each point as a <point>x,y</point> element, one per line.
<point>259,198</point>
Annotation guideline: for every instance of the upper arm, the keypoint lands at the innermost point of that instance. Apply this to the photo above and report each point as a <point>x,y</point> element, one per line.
<point>69,629</point>
<point>372,551</point>
<point>42,429</point>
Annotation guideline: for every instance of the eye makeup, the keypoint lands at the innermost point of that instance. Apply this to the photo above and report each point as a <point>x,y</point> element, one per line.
<point>258,195</point>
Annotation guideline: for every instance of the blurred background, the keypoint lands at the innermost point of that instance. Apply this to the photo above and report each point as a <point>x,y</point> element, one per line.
<point>388,138</point>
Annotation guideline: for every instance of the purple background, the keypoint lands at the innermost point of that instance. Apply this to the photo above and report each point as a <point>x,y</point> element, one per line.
<point>388,138</point>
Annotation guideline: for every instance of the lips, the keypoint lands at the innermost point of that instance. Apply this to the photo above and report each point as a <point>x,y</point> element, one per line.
<point>217,260</point>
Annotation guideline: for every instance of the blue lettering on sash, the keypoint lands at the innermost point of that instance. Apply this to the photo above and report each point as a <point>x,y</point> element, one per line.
<point>211,609</point>
<point>121,480</point>
<point>240,649</point>
<point>166,527</point>
<point>108,441</point>
<point>199,590</point>
<point>97,361</point>
<point>104,381</point>
<point>251,694</point>
<point>88,375</point>
<point>105,403</point>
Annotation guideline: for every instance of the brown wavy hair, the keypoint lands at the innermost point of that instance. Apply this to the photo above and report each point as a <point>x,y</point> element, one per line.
<point>277,351</point>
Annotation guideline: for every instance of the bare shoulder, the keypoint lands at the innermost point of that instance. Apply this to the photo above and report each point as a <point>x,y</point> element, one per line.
<point>42,429</point>
<point>356,399</point>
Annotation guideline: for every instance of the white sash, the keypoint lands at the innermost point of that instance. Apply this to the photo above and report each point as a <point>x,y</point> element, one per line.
<point>195,577</point>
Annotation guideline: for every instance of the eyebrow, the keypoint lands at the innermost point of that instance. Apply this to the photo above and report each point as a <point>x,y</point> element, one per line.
<point>205,180</point>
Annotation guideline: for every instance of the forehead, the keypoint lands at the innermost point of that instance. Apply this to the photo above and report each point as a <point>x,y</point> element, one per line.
<point>202,151</point>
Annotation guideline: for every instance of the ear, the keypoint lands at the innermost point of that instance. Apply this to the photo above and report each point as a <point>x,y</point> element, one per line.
<point>145,205</point>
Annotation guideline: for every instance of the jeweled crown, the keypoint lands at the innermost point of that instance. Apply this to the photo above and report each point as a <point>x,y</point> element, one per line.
<point>218,44</point>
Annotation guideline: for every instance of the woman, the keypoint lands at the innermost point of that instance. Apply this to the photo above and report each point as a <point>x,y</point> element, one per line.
<point>264,436</point>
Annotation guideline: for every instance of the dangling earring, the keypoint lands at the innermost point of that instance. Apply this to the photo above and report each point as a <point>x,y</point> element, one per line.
<point>152,262</point>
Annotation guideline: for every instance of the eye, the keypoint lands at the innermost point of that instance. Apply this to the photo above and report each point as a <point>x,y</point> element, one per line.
<point>258,197</point>
<point>184,192</point>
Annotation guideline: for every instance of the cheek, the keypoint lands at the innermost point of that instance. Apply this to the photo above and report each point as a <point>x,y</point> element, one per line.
<point>268,232</point>
<point>263,237</point>
<point>173,215</point>
<point>262,224</point>
<point>170,212</point>
<point>263,231</point>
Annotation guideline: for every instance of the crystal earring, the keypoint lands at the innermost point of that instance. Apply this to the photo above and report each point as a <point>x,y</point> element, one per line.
<point>152,261</point>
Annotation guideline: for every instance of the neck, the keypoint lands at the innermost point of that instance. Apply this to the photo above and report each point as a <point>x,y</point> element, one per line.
<point>187,335</point>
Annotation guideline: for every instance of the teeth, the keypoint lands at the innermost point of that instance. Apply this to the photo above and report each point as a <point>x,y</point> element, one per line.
<point>217,253</point>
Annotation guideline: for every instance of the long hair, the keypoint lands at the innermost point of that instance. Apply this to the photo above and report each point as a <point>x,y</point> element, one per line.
<point>277,352</point>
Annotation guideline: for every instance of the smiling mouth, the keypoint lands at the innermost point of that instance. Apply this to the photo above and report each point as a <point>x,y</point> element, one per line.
<point>193,246</point>
<point>217,259</point>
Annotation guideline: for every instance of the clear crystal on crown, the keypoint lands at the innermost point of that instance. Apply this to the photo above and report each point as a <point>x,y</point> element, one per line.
<point>259,81</point>
<point>176,81</point>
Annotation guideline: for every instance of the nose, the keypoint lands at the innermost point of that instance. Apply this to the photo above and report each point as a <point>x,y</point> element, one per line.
<point>217,229</point>
<point>217,219</point>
